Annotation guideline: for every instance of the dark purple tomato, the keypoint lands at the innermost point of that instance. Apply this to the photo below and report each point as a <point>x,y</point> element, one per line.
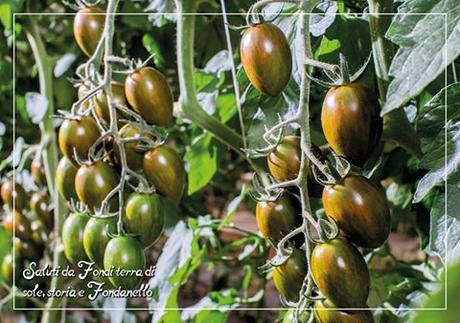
<point>164,169</point>
<point>93,182</point>
<point>360,210</point>
<point>78,136</point>
<point>351,121</point>
<point>88,26</point>
<point>284,163</point>
<point>288,277</point>
<point>149,94</point>
<point>266,58</point>
<point>278,218</point>
<point>15,223</point>
<point>118,98</point>
<point>340,273</point>
<point>324,313</point>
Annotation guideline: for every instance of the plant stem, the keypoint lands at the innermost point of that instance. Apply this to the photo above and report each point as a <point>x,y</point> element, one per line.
<point>190,107</point>
<point>396,126</point>
<point>50,156</point>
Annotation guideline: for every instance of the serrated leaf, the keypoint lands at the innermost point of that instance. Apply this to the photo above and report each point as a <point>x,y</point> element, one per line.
<point>445,227</point>
<point>425,46</point>
<point>63,64</point>
<point>36,106</point>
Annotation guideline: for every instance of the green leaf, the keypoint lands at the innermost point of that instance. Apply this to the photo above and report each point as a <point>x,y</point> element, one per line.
<point>445,226</point>
<point>202,162</point>
<point>442,157</point>
<point>222,301</point>
<point>233,206</point>
<point>154,48</point>
<point>438,300</point>
<point>425,46</point>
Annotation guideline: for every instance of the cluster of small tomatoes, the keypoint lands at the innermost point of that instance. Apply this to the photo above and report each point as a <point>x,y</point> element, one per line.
<point>352,127</point>
<point>29,220</point>
<point>90,180</point>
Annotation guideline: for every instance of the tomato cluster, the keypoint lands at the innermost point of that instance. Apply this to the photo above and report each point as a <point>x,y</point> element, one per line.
<point>85,176</point>
<point>29,220</point>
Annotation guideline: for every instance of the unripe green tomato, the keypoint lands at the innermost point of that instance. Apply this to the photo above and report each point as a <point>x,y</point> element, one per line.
<point>12,191</point>
<point>21,224</point>
<point>324,314</point>
<point>124,253</point>
<point>94,181</point>
<point>284,163</point>
<point>40,204</point>
<point>118,98</point>
<point>266,58</point>
<point>340,273</point>
<point>290,315</point>
<point>37,169</point>
<point>351,121</point>
<point>72,237</point>
<point>79,136</point>
<point>149,94</point>
<point>65,179</point>
<point>88,26</point>
<point>96,237</point>
<point>288,277</point>
<point>359,209</point>
<point>143,216</point>
<point>276,219</point>
<point>164,169</point>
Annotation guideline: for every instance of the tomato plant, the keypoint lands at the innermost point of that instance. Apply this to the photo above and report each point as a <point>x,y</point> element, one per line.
<point>87,28</point>
<point>96,235</point>
<point>72,237</point>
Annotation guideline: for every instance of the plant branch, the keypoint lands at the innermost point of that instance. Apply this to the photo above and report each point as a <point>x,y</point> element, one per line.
<point>50,155</point>
<point>396,126</point>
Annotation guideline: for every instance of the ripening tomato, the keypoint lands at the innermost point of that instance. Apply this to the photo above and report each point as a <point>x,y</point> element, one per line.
<point>149,94</point>
<point>124,253</point>
<point>88,26</point>
<point>12,191</point>
<point>340,273</point>
<point>351,121</point>
<point>118,98</point>
<point>284,163</point>
<point>21,225</point>
<point>72,237</point>
<point>134,158</point>
<point>288,277</point>
<point>96,236</point>
<point>40,204</point>
<point>266,58</point>
<point>65,179</point>
<point>37,169</point>
<point>78,135</point>
<point>360,210</point>
<point>143,216</point>
<point>94,181</point>
<point>324,313</point>
<point>290,316</point>
<point>278,218</point>
<point>164,169</point>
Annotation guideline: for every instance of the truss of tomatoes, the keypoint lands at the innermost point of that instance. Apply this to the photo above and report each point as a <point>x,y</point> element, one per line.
<point>87,237</point>
<point>352,127</point>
